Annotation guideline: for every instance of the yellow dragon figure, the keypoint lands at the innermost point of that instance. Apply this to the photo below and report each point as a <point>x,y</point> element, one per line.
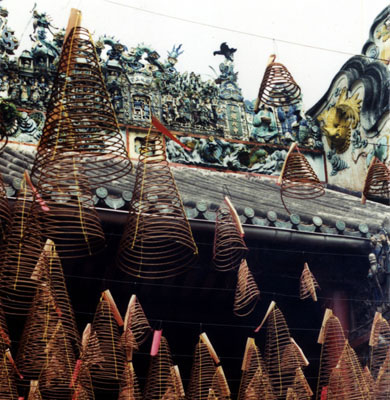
<point>338,121</point>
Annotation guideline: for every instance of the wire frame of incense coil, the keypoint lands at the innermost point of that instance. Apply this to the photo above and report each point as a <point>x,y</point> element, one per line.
<point>382,386</point>
<point>7,381</point>
<point>41,329</point>
<point>332,339</point>
<point>278,88</point>
<point>56,374</point>
<point>5,212</point>
<point>71,220</point>
<point>80,117</point>
<point>298,179</point>
<point>159,382</point>
<point>49,270</point>
<point>136,327</point>
<point>203,370</point>
<point>308,284</point>
<point>107,374</point>
<point>247,292</point>
<point>278,343</point>
<point>157,241</point>
<point>377,183</point>
<point>19,255</point>
<point>251,363</point>
<point>379,343</point>
<point>129,386</point>
<point>352,376</point>
<point>220,385</point>
<point>229,246</point>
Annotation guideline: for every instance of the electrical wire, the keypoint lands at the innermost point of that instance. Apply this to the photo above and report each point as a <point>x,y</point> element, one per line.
<point>207,25</point>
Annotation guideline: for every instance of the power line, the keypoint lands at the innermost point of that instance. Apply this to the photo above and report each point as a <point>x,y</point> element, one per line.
<point>204,24</point>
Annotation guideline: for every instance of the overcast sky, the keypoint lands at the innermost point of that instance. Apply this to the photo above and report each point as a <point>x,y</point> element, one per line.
<point>340,26</point>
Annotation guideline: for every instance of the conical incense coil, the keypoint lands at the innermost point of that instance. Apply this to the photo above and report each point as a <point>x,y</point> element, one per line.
<point>129,386</point>
<point>382,384</point>
<point>298,179</point>
<point>56,374</point>
<point>369,380</point>
<point>301,386</point>
<point>259,386</point>
<point>229,245</point>
<point>379,343</point>
<point>70,218</point>
<point>34,393</point>
<point>107,374</point>
<point>278,348</point>
<point>159,379</point>
<point>308,284</point>
<point>352,377</point>
<point>136,327</point>
<point>254,379</point>
<point>20,255</point>
<point>377,183</point>
<point>5,212</point>
<point>7,381</point>
<point>80,117</point>
<point>278,88</point>
<point>157,241</point>
<point>203,370</point>
<point>49,270</point>
<point>332,339</point>
<point>220,385</point>
<point>247,292</point>
<point>40,332</point>
<point>91,354</point>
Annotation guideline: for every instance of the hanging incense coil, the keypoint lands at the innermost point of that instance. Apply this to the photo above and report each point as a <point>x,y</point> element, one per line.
<point>377,183</point>
<point>34,393</point>
<point>157,241</point>
<point>279,348</point>
<point>5,212</point>
<point>70,218</point>
<point>91,354</point>
<point>229,246</point>
<point>203,370</point>
<point>382,384</point>
<point>308,284</point>
<point>159,381</point>
<point>379,343</point>
<point>298,179</point>
<point>350,383</point>
<point>278,88</point>
<point>107,374</point>
<point>255,382</point>
<point>20,255</point>
<point>43,332</point>
<point>49,270</point>
<point>7,381</point>
<point>247,292</point>
<point>136,327</point>
<point>129,386</point>
<point>56,374</point>
<point>332,339</point>
<point>80,117</point>
<point>220,385</point>
<point>301,386</point>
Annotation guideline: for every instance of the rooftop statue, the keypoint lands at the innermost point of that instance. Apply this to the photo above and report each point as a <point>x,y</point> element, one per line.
<point>8,42</point>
